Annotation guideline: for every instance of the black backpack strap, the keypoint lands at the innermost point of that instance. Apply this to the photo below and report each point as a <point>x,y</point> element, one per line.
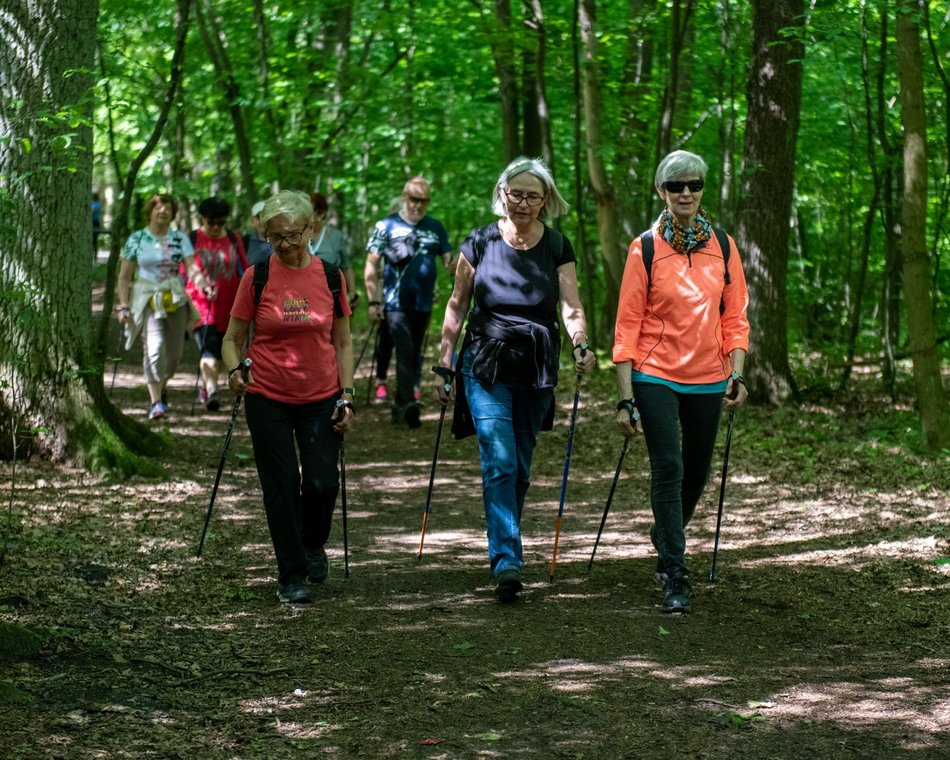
<point>646,249</point>
<point>723,239</point>
<point>336,287</point>
<point>193,237</point>
<point>261,272</point>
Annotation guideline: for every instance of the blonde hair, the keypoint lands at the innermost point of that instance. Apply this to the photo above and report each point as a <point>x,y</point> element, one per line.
<point>293,204</point>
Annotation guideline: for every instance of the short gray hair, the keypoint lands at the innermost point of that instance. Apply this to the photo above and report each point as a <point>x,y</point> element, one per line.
<point>293,204</point>
<point>678,164</point>
<point>553,207</point>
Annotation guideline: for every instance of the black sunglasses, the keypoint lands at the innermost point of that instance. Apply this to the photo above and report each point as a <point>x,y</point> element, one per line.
<point>678,185</point>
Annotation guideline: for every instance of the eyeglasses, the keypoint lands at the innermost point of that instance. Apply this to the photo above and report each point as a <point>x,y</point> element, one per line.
<point>416,199</point>
<point>677,186</point>
<point>291,238</point>
<point>216,222</point>
<point>532,199</point>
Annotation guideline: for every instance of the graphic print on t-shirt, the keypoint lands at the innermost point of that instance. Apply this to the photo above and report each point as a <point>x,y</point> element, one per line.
<point>296,310</point>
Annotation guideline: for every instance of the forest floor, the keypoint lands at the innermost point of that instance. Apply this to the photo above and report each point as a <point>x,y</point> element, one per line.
<point>826,634</point>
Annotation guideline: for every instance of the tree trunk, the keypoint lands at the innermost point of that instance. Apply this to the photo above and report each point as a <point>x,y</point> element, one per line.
<point>612,248</point>
<point>774,94</point>
<point>931,400</point>
<point>498,26</point>
<point>213,37</point>
<point>50,390</point>
<point>536,113</point>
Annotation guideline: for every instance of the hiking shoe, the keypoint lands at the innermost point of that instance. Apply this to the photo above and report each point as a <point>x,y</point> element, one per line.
<point>213,403</point>
<point>412,415</point>
<point>508,585</point>
<point>158,411</point>
<point>382,394</point>
<point>318,566</point>
<point>677,595</point>
<point>293,592</point>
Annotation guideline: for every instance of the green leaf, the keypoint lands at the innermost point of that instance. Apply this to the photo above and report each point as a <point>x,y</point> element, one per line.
<point>27,145</point>
<point>463,645</point>
<point>942,561</point>
<point>663,631</point>
<point>489,736</point>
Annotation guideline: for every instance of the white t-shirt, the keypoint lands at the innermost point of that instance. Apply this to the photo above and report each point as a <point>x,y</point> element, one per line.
<point>157,258</point>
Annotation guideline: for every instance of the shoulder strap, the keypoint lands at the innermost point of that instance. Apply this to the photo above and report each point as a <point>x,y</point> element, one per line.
<point>646,248</point>
<point>336,288</point>
<point>723,239</point>
<point>261,273</point>
<point>193,237</point>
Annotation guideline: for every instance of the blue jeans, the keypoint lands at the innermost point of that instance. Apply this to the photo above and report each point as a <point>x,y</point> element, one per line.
<point>507,421</point>
<point>679,464</point>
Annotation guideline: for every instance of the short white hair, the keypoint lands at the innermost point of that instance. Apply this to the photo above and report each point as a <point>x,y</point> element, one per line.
<point>678,164</point>
<point>554,206</point>
<point>293,204</point>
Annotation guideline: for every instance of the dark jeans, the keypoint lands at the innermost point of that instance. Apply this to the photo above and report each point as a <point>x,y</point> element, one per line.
<point>680,456</point>
<point>298,498</point>
<point>384,351</point>
<point>408,330</point>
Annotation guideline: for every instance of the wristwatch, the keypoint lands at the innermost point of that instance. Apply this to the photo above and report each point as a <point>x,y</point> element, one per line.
<point>351,391</point>
<point>737,377</point>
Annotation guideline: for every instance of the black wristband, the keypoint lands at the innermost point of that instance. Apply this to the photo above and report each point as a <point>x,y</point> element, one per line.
<point>343,403</point>
<point>626,403</point>
<point>238,368</point>
<point>374,303</point>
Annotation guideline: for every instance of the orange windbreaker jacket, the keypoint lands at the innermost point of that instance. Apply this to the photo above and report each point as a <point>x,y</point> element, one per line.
<point>673,329</point>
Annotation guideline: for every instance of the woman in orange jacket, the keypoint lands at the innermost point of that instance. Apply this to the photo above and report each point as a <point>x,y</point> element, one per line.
<point>679,348</point>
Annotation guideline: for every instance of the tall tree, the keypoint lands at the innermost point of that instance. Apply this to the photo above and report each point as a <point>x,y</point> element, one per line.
<point>612,248</point>
<point>931,401</point>
<point>47,381</point>
<point>773,93</point>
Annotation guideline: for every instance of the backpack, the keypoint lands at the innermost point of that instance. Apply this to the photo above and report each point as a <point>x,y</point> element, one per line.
<point>262,272</point>
<point>646,243</point>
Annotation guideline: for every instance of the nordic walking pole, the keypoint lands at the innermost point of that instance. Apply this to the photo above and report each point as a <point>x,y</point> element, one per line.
<point>372,329</point>
<point>194,393</point>
<point>447,376</point>
<point>722,494</point>
<point>115,364</point>
<point>610,497</point>
<point>567,467</point>
<point>346,538</point>
<point>245,366</point>
<point>373,365</point>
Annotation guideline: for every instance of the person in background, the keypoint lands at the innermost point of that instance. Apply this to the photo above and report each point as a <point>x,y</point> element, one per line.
<point>405,245</point>
<point>515,273</point>
<point>299,394</point>
<point>256,248</point>
<point>96,225</point>
<point>219,255</point>
<point>329,244</point>
<point>382,357</point>
<point>680,346</point>
<point>155,304</point>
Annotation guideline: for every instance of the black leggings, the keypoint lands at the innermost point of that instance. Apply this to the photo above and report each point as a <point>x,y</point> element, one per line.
<point>298,498</point>
<point>678,468</point>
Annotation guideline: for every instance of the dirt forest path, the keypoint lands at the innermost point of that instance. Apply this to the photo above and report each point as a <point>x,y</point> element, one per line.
<point>825,636</point>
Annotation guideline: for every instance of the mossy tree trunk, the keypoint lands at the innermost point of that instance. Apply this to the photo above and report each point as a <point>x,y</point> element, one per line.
<point>51,397</point>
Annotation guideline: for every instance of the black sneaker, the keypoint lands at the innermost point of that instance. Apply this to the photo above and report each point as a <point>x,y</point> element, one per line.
<point>318,566</point>
<point>213,403</point>
<point>413,414</point>
<point>508,585</point>
<point>294,592</point>
<point>677,595</point>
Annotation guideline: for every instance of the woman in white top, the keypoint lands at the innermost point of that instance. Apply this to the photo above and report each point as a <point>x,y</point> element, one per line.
<point>156,304</point>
